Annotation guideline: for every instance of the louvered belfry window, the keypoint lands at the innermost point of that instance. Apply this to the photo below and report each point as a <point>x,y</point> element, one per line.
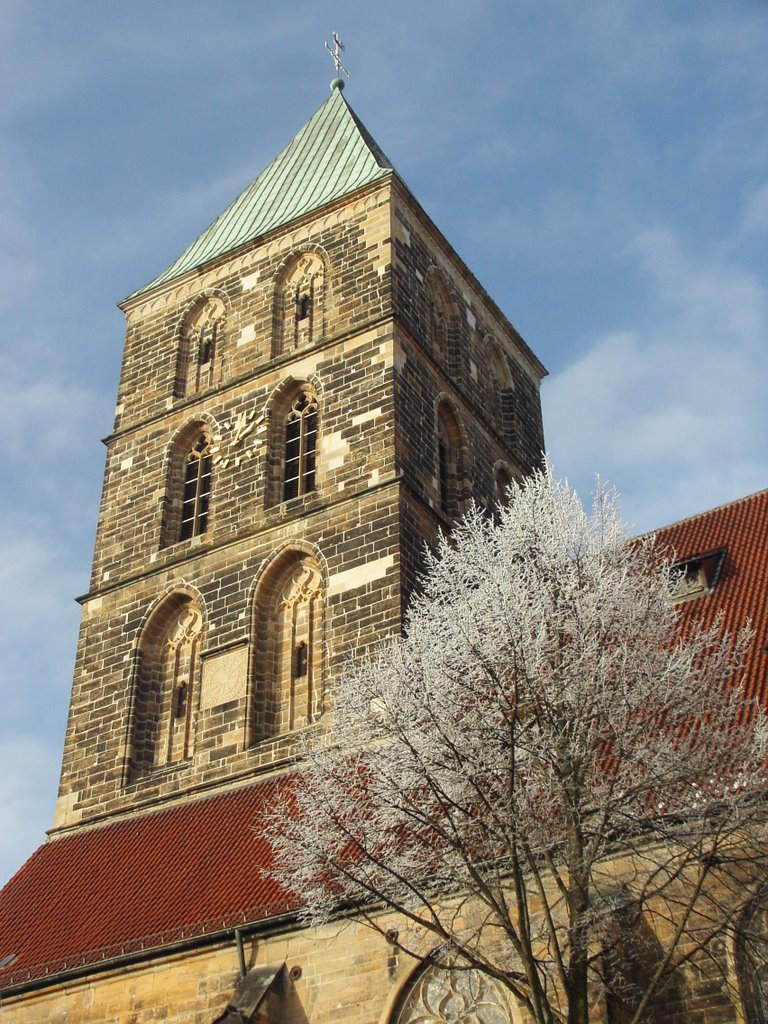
<point>300,446</point>
<point>197,490</point>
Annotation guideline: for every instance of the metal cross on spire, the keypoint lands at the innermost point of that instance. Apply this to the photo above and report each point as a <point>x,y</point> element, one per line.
<point>338,48</point>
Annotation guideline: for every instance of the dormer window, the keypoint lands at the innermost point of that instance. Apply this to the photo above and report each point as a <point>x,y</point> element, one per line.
<point>697,576</point>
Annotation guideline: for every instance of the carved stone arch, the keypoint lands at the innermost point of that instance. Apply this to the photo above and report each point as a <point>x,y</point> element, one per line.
<point>443,322</point>
<point>451,477</point>
<point>201,348</point>
<point>751,961</point>
<point>303,548</point>
<point>439,994</point>
<point>166,682</point>
<point>500,388</point>
<point>288,652</point>
<point>294,418</point>
<point>634,953</point>
<point>187,502</point>
<point>300,300</point>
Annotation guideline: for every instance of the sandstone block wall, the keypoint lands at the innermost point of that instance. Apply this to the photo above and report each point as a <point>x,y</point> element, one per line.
<point>371,355</point>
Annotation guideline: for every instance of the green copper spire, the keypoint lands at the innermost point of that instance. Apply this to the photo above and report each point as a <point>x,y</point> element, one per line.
<point>332,155</point>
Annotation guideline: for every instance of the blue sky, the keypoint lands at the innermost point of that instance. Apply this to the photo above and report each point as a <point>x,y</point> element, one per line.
<point>601,166</point>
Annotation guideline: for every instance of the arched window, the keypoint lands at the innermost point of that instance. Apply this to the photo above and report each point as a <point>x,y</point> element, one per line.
<point>199,361</point>
<point>166,685</point>
<point>187,503</point>
<point>634,955</point>
<point>287,668</point>
<point>443,322</point>
<point>752,963</point>
<point>300,450</point>
<point>502,482</point>
<point>500,391</point>
<point>196,497</point>
<point>450,462</point>
<point>299,317</point>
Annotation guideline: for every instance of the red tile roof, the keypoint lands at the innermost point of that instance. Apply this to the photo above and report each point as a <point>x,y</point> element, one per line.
<point>139,883</point>
<point>740,593</point>
<point>199,868</point>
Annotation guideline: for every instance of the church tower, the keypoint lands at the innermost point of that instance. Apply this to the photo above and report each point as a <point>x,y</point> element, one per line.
<point>314,389</point>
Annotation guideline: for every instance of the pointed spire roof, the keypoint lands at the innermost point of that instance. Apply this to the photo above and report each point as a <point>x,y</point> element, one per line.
<point>332,155</point>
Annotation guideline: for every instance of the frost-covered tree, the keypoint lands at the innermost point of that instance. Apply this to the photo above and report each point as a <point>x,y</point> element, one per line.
<point>543,779</point>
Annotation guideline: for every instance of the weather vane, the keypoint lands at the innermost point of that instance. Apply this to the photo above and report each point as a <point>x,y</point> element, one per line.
<point>338,47</point>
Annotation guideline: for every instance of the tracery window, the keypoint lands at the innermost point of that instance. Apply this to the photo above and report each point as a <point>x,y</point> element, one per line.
<point>500,388</point>
<point>443,322</point>
<point>450,462</point>
<point>440,995</point>
<point>289,608</point>
<point>300,459</point>
<point>166,685</point>
<point>199,360</point>
<point>196,497</point>
<point>300,303</point>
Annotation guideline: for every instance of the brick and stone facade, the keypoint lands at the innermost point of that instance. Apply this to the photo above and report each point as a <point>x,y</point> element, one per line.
<point>223,600</point>
<point>381,384</point>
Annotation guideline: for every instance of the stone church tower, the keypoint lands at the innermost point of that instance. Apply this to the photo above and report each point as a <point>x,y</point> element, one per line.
<point>314,389</point>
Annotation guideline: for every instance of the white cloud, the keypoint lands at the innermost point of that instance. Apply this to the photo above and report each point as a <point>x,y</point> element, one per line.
<point>672,410</point>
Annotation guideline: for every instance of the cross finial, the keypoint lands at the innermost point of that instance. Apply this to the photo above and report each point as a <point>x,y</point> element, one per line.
<point>338,48</point>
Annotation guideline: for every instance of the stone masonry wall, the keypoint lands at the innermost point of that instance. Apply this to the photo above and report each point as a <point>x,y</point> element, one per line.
<point>418,248</point>
<point>374,504</point>
<point>347,974</point>
<point>339,972</point>
<point>348,523</point>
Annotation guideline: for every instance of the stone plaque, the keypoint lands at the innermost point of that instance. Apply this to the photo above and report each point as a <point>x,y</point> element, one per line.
<point>224,677</point>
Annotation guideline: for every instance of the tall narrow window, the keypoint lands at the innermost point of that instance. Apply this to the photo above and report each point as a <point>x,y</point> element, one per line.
<point>442,322</point>
<point>196,498</point>
<point>166,684</point>
<point>287,667</point>
<point>300,304</point>
<point>300,660</point>
<point>208,343</point>
<point>752,963</point>
<point>450,462</point>
<point>500,393</point>
<point>502,483</point>
<point>443,468</point>
<point>300,446</point>
<point>199,362</point>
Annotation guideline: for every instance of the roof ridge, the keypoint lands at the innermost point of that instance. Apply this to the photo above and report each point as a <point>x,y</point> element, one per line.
<point>701,515</point>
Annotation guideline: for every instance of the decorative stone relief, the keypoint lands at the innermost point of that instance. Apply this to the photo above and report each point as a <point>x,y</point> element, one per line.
<point>303,585</point>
